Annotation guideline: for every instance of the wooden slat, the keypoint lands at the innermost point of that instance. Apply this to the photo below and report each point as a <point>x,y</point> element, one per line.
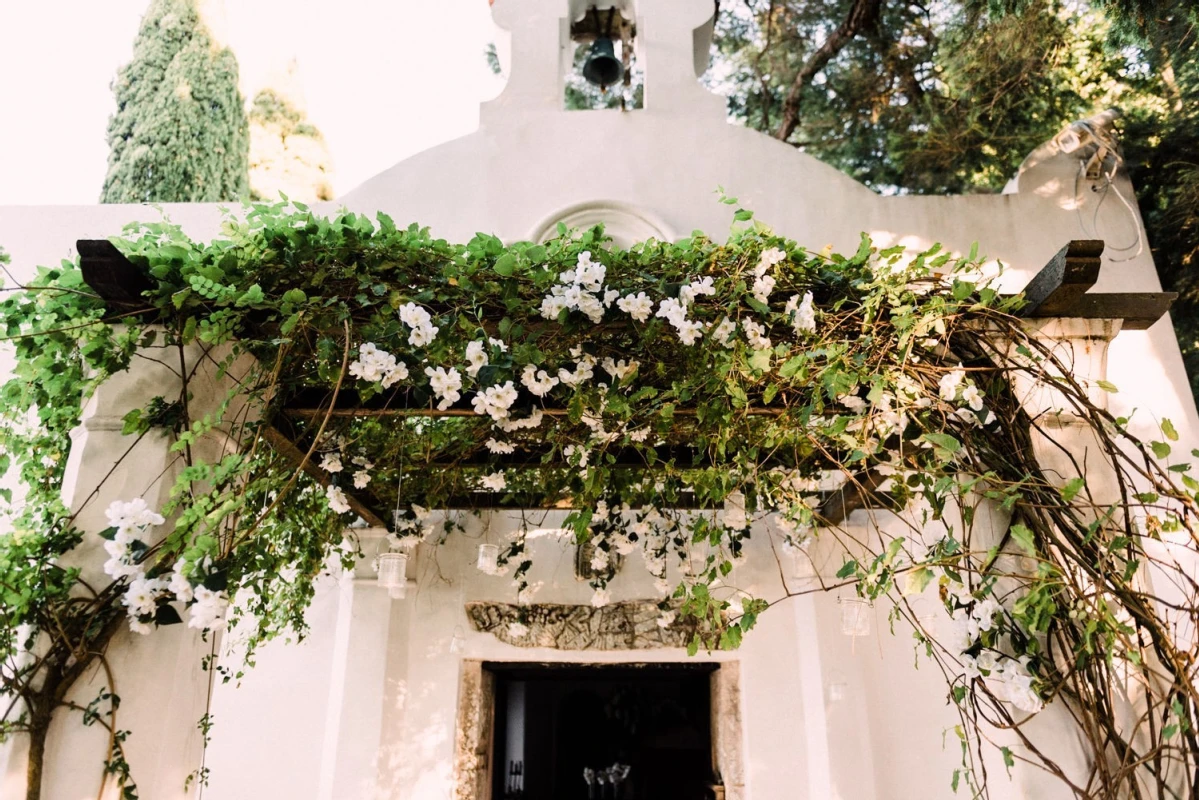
<point>861,491</point>
<point>1139,310</point>
<point>289,450</point>
<point>111,275</point>
<point>1065,279</point>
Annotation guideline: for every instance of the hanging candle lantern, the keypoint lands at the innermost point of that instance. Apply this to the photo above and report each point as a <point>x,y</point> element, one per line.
<point>393,574</point>
<point>855,616</point>
<point>489,558</point>
<point>458,641</point>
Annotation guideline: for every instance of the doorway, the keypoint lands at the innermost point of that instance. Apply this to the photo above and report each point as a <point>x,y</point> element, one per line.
<point>602,732</point>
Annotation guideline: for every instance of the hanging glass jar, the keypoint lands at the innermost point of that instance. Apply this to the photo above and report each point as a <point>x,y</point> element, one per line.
<point>393,574</point>
<point>489,559</point>
<point>856,613</point>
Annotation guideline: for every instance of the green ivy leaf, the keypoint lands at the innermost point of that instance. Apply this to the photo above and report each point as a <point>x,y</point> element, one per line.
<point>1023,537</point>
<point>1072,488</point>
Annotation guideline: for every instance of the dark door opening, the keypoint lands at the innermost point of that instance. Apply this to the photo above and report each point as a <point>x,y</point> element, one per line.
<point>567,732</point>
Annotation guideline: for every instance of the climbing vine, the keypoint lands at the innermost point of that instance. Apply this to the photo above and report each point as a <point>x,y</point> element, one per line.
<point>670,395</point>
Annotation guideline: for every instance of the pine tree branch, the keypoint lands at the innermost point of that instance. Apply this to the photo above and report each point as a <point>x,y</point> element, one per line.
<point>863,15</point>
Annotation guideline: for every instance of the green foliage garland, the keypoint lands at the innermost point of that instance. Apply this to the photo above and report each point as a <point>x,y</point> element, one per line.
<point>668,393</point>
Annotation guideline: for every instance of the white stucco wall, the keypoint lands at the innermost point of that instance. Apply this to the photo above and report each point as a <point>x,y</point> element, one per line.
<point>366,707</point>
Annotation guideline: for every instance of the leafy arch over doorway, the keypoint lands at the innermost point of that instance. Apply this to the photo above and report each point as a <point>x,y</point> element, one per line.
<point>667,394</point>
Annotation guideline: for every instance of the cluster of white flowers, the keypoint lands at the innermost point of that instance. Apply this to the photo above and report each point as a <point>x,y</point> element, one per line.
<point>667,618</point>
<point>763,286</point>
<point>494,401</point>
<point>954,388</point>
<point>537,381</point>
<point>969,624</point>
<point>528,423</point>
<point>141,599</point>
<point>755,334</point>
<point>675,312</point>
<point>423,330</point>
<point>131,520</point>
<point>208,610</point>
<point>723,333</point>
<point>336,498</point>
<point>581,288</point>
<point>498,447</point>
<point>620,370</point>
<point>770,256</point>
<point>495,482</point>
<point>1008,678</point>
<point>601,597</point>
<point>446,386</point>
<point>378,366</point>
<point>801,313</point>
<point>476,357</point>
<point>601,559</point>
<point>638,306</point>
<point>584,369</point>
<point>362,475</point>
<point>331,462</point>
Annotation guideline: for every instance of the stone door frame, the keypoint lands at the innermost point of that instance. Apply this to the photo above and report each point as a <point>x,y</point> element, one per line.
<point>474,739</point>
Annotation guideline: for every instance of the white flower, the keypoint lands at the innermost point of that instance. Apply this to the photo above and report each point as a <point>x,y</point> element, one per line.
<point>126,517</point>
<point>661,585</point>
<point>984,613</point>
<point>337,499</point>
<point>180,586</point>
<point>498,343</point>
<point>622,544</point>
<point>571,450</point>
<point>138,626</point>
<point>361,479</point>
<point>477,357</point>
<point>637,306</point>
<point>723,333</point>
<point>804,320</point>
<point>762,288</point>
<point>331,462</point>
<point>377,366</point>
<point>141,598</point>
<point>538,382</point>
<point>518,630</point>
<point>852,402</point>
<point>950,383</point>
<point>208,611</point>
<point>494,482</point>
<point>601,598</point>
<point>610,296</point>
<point>755,334</point>
<point>639,434</point>
<point>423,329</point>
<point>445,385</point>
<point>499,447</point>
<point>495,401</point>
<point>599,559</point>
<point>583,372</point>
<point>768,259</point>
<point>972,397</point>
<point>667,618</point>
<point>118,568</point>
<point>694,289</point>
<point>620,369</point>
<point>532,421</point>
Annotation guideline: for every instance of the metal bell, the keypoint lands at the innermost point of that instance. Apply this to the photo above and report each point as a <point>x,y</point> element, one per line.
<point>603,68</point>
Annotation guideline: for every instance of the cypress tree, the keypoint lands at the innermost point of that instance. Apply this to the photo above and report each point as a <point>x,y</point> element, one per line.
<point>179,133</point>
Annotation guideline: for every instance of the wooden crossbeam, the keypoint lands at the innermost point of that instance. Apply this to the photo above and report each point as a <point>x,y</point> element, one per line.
<point>860,491</point>
<point>1061,289</point>
<point>287,448</point>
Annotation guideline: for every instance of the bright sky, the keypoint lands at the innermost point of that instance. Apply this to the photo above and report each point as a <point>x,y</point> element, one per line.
<point>383,79</point>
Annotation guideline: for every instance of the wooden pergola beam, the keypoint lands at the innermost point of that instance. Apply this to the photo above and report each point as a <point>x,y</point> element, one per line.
<point>287,448</point>
<point>1061,289</point>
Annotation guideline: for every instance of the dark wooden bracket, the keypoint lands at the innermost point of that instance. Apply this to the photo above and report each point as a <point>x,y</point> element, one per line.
<point>1061,289</point>
<point>111,275</point>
